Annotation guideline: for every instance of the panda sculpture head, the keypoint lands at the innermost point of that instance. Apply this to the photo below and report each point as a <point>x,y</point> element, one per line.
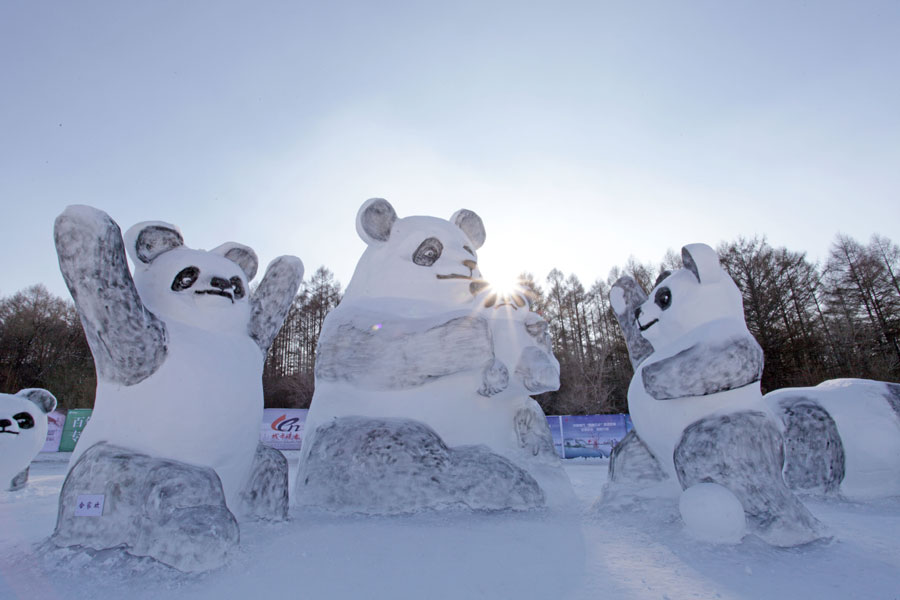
<point>426,259</point>
<point>203,289</point>
<point>23,430</point>
<point>682,301</point>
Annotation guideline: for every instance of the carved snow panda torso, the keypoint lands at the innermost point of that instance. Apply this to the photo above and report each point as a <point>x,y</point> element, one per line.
<point>180,351</point>
<point>23,430</point>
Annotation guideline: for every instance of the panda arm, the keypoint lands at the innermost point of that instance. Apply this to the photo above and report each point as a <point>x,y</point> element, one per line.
<point>705,368</point>
<point>625,296</point>
<point>272,300</point>
<point>129,343</point>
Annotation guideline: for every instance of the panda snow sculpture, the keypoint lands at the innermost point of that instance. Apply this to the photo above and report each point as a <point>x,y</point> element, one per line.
<point>423,379</point>
<point>695,400</point>
<point>173,443</point>
<point>23,430</point>
<point>841,437</point>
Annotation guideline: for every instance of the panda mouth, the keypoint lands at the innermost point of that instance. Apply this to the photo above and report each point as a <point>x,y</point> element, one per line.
<point>9,432</point>
<point>453,276</point>
<point>648,325</point>
<point>222,293</point>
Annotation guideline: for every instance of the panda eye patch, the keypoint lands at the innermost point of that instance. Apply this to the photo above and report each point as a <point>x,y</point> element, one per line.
<point>663,298</point>
<point>237,286</point>
<point>185,279</point>
<point>25,420</point>
<point>428,252</point>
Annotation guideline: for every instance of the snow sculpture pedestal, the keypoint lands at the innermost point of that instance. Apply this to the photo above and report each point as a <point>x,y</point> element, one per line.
<point>417,364</point>
<point>695,400</point>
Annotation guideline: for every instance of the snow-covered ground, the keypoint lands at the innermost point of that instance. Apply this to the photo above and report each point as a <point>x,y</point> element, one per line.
<point>579,554</point>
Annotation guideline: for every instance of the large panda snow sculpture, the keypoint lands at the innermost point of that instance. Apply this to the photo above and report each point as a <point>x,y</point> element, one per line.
<point>173,443</point>
<point>695,400</point>
<point>841,437</point>
<point>423,379</point>
<point>23,430</point>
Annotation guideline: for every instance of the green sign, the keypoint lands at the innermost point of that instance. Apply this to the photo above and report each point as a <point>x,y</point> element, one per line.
<point>75,422</point>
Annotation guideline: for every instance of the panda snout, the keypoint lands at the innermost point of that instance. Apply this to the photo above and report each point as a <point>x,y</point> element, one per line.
<point>470,264</point>
<point>4,423</point>
<point>637,313</point>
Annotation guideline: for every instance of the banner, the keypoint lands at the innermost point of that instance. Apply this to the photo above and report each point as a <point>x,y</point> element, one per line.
<point>55,422</point>
<point>555,424</point>
<point>75,422</point>
<point>282,428</point>
<point>591,436</point>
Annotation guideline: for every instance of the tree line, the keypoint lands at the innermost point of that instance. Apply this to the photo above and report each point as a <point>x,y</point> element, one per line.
<point>813,321</point>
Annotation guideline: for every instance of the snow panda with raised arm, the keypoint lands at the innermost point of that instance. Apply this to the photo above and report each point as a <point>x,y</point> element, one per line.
<point>23,430</point>
<point>418,356</point>
<point>695,399</point>
<point>179,352</point>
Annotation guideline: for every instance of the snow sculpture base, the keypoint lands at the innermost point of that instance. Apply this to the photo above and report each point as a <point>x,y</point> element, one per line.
<point>266,494</point>
<point>170,511</point>
<point>841,437</point>
<point>396,466</point>
<point>743,452</point>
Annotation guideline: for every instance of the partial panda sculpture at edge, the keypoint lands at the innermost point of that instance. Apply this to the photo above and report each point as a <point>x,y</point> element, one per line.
<point>23,430</point>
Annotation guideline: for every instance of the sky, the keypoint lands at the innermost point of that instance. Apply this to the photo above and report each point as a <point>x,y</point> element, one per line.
<point>583,133</point>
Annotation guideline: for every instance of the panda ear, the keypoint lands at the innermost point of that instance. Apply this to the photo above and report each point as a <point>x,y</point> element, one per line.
<point>702,261</point>
<point>145,241</point>
<point>242,256</point>
<point>375,220</point>
<point>471,224</point>
<point>44,399</point>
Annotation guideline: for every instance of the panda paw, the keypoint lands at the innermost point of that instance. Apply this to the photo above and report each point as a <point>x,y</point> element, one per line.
<point>495,379</point>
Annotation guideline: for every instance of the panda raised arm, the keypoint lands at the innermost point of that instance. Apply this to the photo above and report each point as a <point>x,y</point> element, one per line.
<point>129,343</point>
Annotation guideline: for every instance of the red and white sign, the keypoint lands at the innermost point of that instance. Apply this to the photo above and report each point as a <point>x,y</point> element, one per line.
<point>282,428</point>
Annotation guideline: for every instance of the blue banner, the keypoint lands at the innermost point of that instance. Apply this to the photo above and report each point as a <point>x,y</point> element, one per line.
<point>591,436</point>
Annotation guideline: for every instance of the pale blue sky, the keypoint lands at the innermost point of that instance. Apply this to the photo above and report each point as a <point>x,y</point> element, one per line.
<point>581,132</point>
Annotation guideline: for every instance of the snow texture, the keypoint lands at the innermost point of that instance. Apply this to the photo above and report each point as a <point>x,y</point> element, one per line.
<point>743,452</point>
<point>390,466</point>
<point>129,343</point>
<point>841,436</point>
<point>632,462</point>
<point>712,513</point>
<point>626,296</point>
<point>23,429</point>
<point>403,353</point>
<point>266,493</point>
<point>813,446</point>
<point>695,400</point>
<point>419,336</point>
<point>705,368</point>
<point>170,511</point>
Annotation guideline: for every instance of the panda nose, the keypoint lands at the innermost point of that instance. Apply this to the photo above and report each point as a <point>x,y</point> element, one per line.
<point>471,264</point>
<point>218,282</point>
<point>4,423</point>
<point>637,313</point>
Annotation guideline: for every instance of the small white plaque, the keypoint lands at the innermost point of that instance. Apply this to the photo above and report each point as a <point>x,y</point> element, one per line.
<point>89,505</point>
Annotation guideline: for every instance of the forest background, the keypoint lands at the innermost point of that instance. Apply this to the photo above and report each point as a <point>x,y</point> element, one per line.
<point>813,321</point>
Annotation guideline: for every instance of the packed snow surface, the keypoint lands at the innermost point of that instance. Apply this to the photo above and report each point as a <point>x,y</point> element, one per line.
<point>636,552</point>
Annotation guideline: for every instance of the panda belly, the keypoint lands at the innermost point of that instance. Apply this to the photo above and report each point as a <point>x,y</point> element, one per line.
<point>661,423</point>
<point>203,407</point>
